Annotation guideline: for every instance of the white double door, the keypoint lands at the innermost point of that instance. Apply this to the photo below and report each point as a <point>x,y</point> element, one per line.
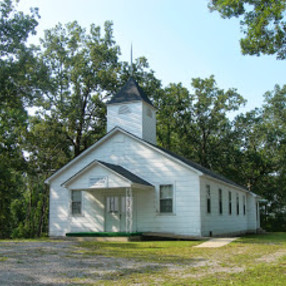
<point>115,213</point>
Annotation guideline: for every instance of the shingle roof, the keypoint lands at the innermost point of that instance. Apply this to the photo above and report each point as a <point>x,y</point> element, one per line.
<point>190,163</point>
<point>129,92</point>
<point>125,173</point>
<point>117,169</point>
<point>198,167</point>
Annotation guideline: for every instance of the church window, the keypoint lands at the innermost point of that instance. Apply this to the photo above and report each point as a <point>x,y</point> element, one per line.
<point>208,191</point>
<point>76,202</point>
<point>166,198</point>
<point>237,204</point>
<point>229,203</point>
<point>220,201</point>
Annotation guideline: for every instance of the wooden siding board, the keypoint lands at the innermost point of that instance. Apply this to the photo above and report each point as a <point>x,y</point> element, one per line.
<point>224,223</point>
<point>131,122</point>
<point>154,168</point>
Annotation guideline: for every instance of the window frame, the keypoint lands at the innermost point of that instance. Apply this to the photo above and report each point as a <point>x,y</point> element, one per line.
<point>237,204</point>
<point>165,199</point>
<point>113,204</point>
<point>244,205</point>
<point>229,203</point>
<point>208,199</point>
<point>220,201</point>
<point>76,202</point>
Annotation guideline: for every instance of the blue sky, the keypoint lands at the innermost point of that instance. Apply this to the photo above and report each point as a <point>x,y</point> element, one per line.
<point>180,38</point>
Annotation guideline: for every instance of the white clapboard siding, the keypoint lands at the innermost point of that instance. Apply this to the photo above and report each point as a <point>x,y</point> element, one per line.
<point>150,165</point>
<point>140,119</point>
<point>149,123</point>
<point>219,224</point>
<point>190,215</point>
<point>84,181</point>
<point>131,121</point>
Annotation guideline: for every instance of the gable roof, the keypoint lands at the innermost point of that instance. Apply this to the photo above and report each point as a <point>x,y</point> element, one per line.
<point>194,166</point>
<point>132,178</point>
<point>189,163</point>
<point>131,91</point>
<point>199,167</point>
<point>126,174</point>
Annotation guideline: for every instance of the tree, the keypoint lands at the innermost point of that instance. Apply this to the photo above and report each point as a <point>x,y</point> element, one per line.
<point>19,70</point>
<point>209,121</point>
<point>274,117</point>
<point>173,105</point>
<point>83,71</point>
<point>254,161</point>
<point>142,73</point>
<point>195,124</point>
<point>263,23</point>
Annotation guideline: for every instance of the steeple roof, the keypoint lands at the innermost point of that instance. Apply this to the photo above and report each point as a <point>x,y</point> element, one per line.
<point>131,91</point>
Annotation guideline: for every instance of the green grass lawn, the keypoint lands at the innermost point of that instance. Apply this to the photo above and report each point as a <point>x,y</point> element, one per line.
<point>251,260</point>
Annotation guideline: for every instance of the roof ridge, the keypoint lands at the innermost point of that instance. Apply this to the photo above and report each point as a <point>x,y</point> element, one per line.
<point>191,163</point>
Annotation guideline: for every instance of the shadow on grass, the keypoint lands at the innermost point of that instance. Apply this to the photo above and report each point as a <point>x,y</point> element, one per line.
<point>277,238</point>
<point>161,252</point>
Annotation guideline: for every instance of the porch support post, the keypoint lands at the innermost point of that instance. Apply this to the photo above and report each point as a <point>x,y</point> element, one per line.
<point>129,209</point>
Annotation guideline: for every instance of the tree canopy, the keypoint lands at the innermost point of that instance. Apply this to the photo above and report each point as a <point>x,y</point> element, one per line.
<point>262,22</point>
<point>18,85</point>
<point>70,75</point>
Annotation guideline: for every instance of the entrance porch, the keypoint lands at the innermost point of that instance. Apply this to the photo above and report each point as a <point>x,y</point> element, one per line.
<point>104,199</point>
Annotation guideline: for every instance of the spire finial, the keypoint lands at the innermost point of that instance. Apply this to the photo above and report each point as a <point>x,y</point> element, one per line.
<point>131,63</point>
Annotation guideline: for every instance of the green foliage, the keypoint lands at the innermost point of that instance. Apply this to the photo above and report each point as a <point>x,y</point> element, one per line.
<point>195,124</point>
<point>263,23</point>
<point>82,68</point>
<point>72,74</point>
<point>18,68</point>
<point>274,119</point>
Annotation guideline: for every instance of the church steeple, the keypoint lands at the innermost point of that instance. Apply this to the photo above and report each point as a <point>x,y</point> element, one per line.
<point>131,91</point>
<point>132,110</point>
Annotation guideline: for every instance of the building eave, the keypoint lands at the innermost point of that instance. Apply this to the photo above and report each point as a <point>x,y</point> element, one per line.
<point>106,167</point>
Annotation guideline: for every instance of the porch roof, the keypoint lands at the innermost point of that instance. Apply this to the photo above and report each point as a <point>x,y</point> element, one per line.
<point>118,170</point>
<point>126,174</point>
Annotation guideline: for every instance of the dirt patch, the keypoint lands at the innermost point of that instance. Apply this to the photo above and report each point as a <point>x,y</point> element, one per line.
<point>68,263</point>
<point>272,257</point>
<point>58,263</point>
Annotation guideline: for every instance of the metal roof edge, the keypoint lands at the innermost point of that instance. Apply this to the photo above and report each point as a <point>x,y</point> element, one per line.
<point>234,185</point>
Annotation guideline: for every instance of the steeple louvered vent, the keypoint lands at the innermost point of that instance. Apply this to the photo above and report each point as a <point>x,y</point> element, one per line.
<point>124,109</point>
<point>131,110</point>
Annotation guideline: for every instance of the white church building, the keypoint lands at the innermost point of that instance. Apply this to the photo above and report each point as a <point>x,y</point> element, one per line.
<point>126,183</point>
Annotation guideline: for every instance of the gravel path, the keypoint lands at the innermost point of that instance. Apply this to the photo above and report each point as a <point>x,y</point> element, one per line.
<point>58,263</point>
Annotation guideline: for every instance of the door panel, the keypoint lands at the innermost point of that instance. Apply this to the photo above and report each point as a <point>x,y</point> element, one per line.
<point>115,214</point>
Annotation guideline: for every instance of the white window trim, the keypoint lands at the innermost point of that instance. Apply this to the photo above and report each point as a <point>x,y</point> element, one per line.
<point>70,208</point>
<point>244,205</point>
<point>237,204</point>
<point>220,190</point>
<point>173,213</point>
<point>230,203</point>
<point>208,213</point>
